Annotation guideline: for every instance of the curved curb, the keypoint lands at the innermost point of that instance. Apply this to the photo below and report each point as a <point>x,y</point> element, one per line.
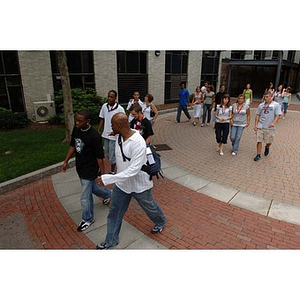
<point>33,176</point>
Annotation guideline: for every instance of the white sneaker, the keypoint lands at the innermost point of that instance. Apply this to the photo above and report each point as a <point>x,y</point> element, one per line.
<point>233,153</point>
<point>218,149</point>
<point>221,153</point>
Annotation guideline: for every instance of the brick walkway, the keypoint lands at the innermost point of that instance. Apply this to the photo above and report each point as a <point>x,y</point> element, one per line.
<point>48,224</point>
<point>195,221</point>
<point>275,177</point>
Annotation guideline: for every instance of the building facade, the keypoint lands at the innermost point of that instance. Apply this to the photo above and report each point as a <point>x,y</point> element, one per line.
<point>27,77</point>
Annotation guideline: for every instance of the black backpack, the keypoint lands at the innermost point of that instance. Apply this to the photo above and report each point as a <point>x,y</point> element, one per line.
<point>153,169</point>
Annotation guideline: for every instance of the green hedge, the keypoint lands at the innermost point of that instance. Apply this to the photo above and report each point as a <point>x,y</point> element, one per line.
<point>82,99</point>
<point>9,120</point>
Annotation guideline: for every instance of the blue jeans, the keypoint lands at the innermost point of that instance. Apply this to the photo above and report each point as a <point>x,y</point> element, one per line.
<point>184,109</point>
<point>206,110</point>
<point>118,207</point>
<point>90,187</point>
<point>284,107</point>
<point>235,136</point>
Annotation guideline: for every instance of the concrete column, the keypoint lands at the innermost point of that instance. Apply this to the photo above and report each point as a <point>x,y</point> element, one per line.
<point>249,54</point>
<point>194,70</point>
<point>297,57</point>
<point>156,76</point>
<point>36,74</point>
<point>106,72</point>
<point>268,54</point>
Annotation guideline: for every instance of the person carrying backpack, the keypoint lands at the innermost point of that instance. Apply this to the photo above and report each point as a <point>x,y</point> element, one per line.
<point>130,181</point>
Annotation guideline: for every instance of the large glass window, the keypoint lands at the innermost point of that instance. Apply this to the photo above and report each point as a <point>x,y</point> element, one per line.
<point>210,67</point>
<point>238,54</point>
<point>259,55</point>
<point>11,92</point>
<point>291,56</point>
<point>175,72</point>
<point>132,62</point>
<point>275,54</point>
<point>81,69</point>
<point>132,74</point>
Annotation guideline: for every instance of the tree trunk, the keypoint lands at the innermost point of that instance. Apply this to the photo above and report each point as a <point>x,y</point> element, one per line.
<point>67,96</point>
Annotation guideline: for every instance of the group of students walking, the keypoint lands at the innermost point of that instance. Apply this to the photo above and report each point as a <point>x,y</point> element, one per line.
<point>122,138</point>
<point>234,118</point>
<point>128,135</point>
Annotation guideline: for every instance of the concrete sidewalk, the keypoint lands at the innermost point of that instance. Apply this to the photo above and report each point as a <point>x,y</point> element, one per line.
<point>68,190</point>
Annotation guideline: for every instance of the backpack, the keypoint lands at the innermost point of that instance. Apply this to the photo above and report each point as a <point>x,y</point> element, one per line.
<point>152,168</point>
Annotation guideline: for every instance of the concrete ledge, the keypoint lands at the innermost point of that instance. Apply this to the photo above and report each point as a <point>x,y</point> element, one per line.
<point>33,176</point>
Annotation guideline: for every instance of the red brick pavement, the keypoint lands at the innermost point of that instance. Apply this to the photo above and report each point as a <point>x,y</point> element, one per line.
<point>48,224</point>
<point>195,221</point>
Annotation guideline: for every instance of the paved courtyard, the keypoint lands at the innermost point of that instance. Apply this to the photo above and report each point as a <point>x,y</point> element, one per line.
<point>211,202</point>
<point>275,177</point>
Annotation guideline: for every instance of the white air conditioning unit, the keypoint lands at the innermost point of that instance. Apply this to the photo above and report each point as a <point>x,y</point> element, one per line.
<point>43,110</point>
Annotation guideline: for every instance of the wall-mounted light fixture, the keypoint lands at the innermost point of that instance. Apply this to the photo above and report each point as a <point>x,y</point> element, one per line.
<point>157,53</point>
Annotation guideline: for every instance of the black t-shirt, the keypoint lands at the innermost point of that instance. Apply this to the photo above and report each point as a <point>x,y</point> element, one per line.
<point>218,99</point>
<point>88,147</point>
<point>144,127</point>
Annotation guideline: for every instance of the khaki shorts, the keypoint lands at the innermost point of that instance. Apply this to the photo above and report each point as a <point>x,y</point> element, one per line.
<point>265,135</point>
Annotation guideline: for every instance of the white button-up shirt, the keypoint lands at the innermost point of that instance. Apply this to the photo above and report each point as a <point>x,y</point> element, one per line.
<point>129,177</point>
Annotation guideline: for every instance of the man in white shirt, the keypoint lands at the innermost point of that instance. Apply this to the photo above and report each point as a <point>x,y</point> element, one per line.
<point>108,110</point>
<point>133,101</point>
<point>130,181</point>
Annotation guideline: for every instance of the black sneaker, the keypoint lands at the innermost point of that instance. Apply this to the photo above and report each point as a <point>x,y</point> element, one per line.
<point>156,229</point>
<point>257,157</point>
<point>104,246</point>
<point>106,201</point>
<point>83,225</point>
<point>266,151</point>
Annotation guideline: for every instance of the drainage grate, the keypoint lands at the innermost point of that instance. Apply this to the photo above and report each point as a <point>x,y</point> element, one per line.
<point>162,147</point>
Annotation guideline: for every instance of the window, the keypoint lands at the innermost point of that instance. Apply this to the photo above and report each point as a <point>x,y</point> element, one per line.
<point>291,56</point>
<point>275,54</point>
<point>259,55</point>
<point>238,54</point>
<point>11,92</point>
<point>81,69</point>
<point>132,74</point>
<point>131,62</point>
<point>210,67</point>
<point>175,72</point>
<point>176,62</point>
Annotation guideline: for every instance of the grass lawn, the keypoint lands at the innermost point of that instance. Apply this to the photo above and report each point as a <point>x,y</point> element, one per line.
<point>27,150</point>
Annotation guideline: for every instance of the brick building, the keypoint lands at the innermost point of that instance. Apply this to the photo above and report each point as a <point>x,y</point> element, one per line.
<point>27,77</point>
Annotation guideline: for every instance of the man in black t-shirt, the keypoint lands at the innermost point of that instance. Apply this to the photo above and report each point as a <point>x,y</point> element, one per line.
<point>219,96</point>
<point>87,145</point>
<point>140,123</point>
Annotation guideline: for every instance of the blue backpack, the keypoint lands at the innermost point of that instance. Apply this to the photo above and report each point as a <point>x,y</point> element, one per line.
<point>153,169</point>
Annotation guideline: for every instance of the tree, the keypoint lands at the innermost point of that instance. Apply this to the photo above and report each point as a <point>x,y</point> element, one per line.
<point>67,96</point>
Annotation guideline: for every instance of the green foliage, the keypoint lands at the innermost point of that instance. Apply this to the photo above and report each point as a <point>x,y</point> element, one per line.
<point>57,119</point>
<point>82,99</point>
<point>9,120</point>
